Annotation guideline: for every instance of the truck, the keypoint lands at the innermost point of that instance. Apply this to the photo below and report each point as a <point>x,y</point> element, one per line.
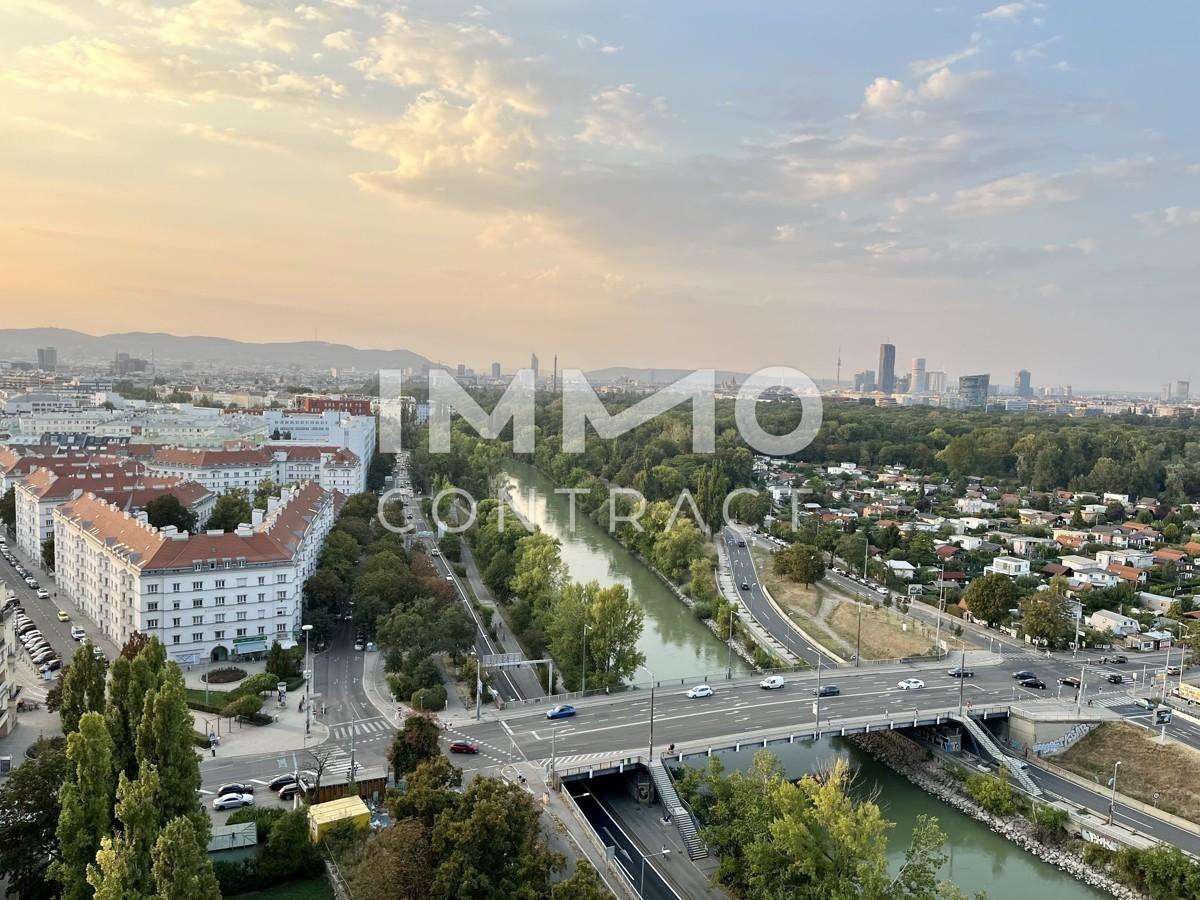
<point>1188,692</point>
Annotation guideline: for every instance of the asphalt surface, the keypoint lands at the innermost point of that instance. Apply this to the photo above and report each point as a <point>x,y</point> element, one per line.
<point>639,864</point>
<point>743,572</point>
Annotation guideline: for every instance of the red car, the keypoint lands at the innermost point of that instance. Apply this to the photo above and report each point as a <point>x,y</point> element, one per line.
<point>464,747</point>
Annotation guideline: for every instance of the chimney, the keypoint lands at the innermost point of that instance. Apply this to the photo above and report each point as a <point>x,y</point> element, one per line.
<point>244,530</point>
<point>256,517</point>
<point>141,516</point>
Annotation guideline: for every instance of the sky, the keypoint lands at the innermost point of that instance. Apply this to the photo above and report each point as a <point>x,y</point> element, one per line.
<point>686,184</point>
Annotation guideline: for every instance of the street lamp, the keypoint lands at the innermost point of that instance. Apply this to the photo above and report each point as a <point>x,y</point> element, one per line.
<point>583,688</point>
<point>1112,803</point>
<point>665,851</point>
<point>308,681</point>
<point>729,648</point>
<point>650,755</point>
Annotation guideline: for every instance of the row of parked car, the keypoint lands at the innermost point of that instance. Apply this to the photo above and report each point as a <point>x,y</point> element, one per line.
<point>21,571</point>
<point>41,654</point>
<point>237,794</point>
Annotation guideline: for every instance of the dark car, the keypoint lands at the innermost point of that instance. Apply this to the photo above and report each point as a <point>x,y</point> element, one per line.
<point>235,787</point>
<point>1035,683</point>
<point>1069,681</point>
<point>745,585</point>
<point>1114,678</point>
<point>1022,675</point>
<point>281,781</point>
<point>1117,660</point>
<point>827,690</point>
<point>288,791</point>
<point>960,673</point>
<point>464,747</point>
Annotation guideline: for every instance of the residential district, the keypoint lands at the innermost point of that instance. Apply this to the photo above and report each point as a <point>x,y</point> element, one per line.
<point>246,651</point>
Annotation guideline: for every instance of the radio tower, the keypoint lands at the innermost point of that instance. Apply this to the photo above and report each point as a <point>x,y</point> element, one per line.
<point>839,368</point>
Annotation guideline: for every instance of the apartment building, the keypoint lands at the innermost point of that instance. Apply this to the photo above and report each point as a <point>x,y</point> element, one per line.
<point>8,652</point>
<point>210,596</point>
<point>221,471</point>
<point>123,483</point>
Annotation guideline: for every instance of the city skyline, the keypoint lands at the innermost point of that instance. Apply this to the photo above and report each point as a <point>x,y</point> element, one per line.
<point>775,185</point>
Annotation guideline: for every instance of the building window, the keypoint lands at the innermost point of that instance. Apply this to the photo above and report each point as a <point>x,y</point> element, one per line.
<point>197,585</point>
<point>152,623</point>
<point>152,589</point>
<point>175,623</point>
<point>218,635</point>
<point>241,616</point>
<point>241,598</point>
<point>262,629</point>
<point>261,597</point>
<point>197,603</point>
<point>197,637</point>
<point>219,583</point>
<point>175,639</point>
<point>281,612</point>
<point>281,579</point>
<point>262,579</point>
<point>197,620</point>
<point>219,618</point>
<point>281,628</point>
<point>241,632</point>
<point>152,607</point>
<point>175,586</point>
<point>219,601</point>
<point>281,595</point>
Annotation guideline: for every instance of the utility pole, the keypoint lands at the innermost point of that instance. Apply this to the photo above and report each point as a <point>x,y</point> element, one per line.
<point>817,704</point>
<point>652,685</point>
<point>1112,802</point>
<point>1082,688</point>
<point>308,680</point>
<point>478,687</point>
<point>962,680</point>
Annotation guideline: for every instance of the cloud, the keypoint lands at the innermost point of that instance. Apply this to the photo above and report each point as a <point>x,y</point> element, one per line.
<point>340,40</point>
<point>214,23</point>
<point>311,13</point>
<point>34,124</point>
<point>1171,217</point>
<point>1010,12</point>
<point>1086,245</point>
<point>1034,51</point>
<point>228,136</point>
<point>922,67</point>
<point>48,9</point>
<point>1011,194</point>
<point>589,42</point>
<point>621,117</point>
<point>105,68</point>
<point>887,96</point>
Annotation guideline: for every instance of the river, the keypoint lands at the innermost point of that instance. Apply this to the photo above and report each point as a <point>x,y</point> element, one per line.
<point>677,644</point>
<point>980,859</point>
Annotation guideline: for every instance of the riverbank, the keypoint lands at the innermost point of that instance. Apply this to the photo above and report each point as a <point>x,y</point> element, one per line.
<point>915,764</point>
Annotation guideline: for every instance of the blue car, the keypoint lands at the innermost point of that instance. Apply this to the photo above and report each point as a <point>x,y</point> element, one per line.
<point>563,711</point>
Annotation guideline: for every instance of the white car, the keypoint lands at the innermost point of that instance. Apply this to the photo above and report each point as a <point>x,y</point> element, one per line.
<point>700,690</point>
<point>772,682</point>
<point>78,633</point>
<point>233,801</point>
<point>43,594</point>
<point>911,684</point>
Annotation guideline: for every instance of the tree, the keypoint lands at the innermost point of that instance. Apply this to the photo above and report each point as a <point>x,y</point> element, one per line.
<point>396,863</point>
<point>1046,615</point>
<point>122,867</point>
<point>851,548</point>
<point>290,852</point>
<point>801,562</point>
<point>164,740</point>
<point>29,813</point>
<point>86,800</point>
<point>265,490</point>
<point>992,793</point>
<point>8,508</point>
<point>182,869</point>
<point>491,845</point>
<point>538,572</point>
<point>48,552</point>
<point>428,790</point>
<point>614,622</point>
<point>230,511</point>
<point>414,743</point>
<point>584,884</point>
<point>283,664</point>
<point>82,687</point>
<point>990,597</point>
<point>166,509</point>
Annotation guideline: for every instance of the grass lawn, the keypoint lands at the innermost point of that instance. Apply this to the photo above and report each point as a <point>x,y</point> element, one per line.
<point>312,889</point>
<point>1171,770</point>
<point>802,598</point>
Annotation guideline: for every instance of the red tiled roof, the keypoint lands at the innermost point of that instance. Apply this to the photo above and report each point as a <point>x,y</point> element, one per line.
<point>184,457</point>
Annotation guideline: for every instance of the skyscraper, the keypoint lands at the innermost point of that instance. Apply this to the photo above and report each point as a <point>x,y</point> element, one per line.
<point>887,368</point>
<point>1021,383</point>
<point>495,370</point>
<point>1183,391</point>
<point>864,382</point>
<point>973,391</point>
<point>935,382</point>
<point>916,383</point>
<point>533,364</point>
<point>47,358</point>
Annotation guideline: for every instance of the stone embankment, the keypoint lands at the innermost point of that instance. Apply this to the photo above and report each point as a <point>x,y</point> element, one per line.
<point>910,760</point>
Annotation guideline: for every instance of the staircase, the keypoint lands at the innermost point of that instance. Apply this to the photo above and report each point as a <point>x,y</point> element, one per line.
<point>988,744</point>
<point>680,814</point>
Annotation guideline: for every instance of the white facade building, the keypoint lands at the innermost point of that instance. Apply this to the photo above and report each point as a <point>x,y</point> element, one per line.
<point>221,471</point>
<point>210,596</point>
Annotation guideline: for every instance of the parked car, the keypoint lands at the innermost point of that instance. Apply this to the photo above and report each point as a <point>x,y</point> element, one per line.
<point>562,711</point>
<point>1022,675</point>
<point>1069,681</point>
<point>700,690</point>
<point>959,672</point>
<point>43,656</point>
<point>772,682</point>
<point>51,665</point>
<point>280,781</point>
<point>911,684</point>
<point>63,615</point>
<point>464,747</point>
<point>1035,683</point>
<point>288,791</point>
<point>827,690</point>
<point>233,801</point>
<point>358,645</point>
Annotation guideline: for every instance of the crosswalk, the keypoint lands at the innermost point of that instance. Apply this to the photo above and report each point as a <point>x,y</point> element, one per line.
<point>364,728</point>
<point>338,764</point>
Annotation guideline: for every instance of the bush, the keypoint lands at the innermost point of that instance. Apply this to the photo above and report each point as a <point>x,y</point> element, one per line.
<point>992,793</point>
<point>703,610</point>
<point>1097,856</point>
<point>242,706</point>
<point>289,855</point>
<point>1050,824</point>
<point>201,740</point>
<point>224,675</point>
<point>255,684</point>
<point>262,816</point>
<point>431,699</point>
<point>763,659</point>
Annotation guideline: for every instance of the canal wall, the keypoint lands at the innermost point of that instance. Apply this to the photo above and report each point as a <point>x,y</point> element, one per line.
<point>907,758</point>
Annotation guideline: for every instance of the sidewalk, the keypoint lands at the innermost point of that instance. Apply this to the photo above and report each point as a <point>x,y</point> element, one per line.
<point>237,739</point>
